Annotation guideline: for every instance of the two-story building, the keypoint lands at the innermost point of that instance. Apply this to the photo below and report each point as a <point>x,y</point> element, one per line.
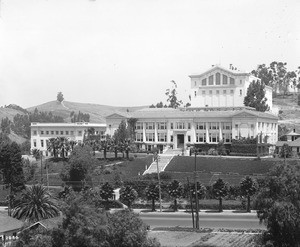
<point>41,132</point>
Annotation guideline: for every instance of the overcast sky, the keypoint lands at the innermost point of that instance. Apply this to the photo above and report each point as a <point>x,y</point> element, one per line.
<point>125,53</point>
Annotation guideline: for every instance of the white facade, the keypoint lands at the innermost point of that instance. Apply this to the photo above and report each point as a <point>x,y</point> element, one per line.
<point>41,132</point>
<point>220,87</point>
<point>176,128</point>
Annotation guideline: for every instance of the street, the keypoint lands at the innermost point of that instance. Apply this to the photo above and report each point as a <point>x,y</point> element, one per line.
<point>228,219</point>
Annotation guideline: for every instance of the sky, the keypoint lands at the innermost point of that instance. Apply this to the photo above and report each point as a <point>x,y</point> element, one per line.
<point>127,52</point>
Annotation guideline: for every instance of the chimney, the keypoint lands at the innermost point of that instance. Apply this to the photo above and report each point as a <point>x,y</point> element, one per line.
<point>230,66</point>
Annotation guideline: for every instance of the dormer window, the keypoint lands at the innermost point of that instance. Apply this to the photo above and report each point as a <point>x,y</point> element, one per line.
<point>218,79</point>
<point>204,82</point>
<point>225,79</point>
<point>211,80</point>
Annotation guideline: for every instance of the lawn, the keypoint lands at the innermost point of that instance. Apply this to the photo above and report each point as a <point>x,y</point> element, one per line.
<point>229,166</point>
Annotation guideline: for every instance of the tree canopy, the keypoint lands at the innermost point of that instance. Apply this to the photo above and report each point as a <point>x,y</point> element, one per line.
<point>256,96</point>
<point>60,97</point>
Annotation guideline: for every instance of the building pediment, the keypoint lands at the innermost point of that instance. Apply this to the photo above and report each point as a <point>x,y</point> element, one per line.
<point>244,115</point>
<point>115,116</point>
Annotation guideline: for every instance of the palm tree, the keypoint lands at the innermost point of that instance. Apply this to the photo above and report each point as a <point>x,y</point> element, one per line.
<point>35,205</point>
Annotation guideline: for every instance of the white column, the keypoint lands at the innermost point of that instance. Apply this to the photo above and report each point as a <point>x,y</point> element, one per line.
<point>144,132</point>
<point>207,133</point>
<point>155,133</point>
<point>220,131</point>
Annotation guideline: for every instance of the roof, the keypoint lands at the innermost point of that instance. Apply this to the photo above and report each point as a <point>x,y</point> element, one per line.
<point>216,67</point>
<point>170,113</point>
<point>9,224</point>
<point>48,223</point>
<point>78,124</point>
<point>292,133</point>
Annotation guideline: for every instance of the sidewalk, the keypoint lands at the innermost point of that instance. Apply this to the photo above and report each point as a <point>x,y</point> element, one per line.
<point>201,212</point>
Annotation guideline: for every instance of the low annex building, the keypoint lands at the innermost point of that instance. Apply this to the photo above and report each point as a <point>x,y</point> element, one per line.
<point>41,132</point>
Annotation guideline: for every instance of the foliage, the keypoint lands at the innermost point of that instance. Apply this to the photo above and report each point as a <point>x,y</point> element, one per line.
<point>172,96</point>
<point>285,151</point>
<point>220,190</point>
<point>106,192</point>
<point>126,229</point>
<point>35,205</point>
<point>79,117</point>
<point>256,96</point>
<point>21,125</point>
<point>278,204</point>
<point>248,187</point>
<point>175,190</point>
<point>28,169</point>
<point>128,195</point>
<point>25,147</point>
<point>152,193</point>
<point>60,97</point>
<point>80,165</point>
<point>16,107</point>
<point>264,73</point>
<point>5,125</point>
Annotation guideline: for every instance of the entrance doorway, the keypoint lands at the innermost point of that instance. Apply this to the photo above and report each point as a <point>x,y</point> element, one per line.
<point>180,141</point>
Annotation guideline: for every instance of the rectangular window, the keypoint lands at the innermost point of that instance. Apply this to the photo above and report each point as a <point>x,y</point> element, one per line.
<point>195,93</point>
<point>189,126</point>
<point>172,126</point>
<point>203,92</point>
<point>236,126</point>
<point>162,126</point>
<point>201,126</point>
<point>67,132</point>
<point>34,133</point>
<point>225,80</point>
<point>189,138</point>
<point>232,81</point>
<point>139,126</point>
<point>57,132</point>
<point>42,143</point>
<point>139,137</point>
<point>171,138</point>
<point>241,92</point>
<point>150,137</point>
<point>226,126</point>
<point>150,126</point>
<point>47,132</point>
<point>200,137</point>
<point>61,132</point>
<point>180,125</point>
<point>72,132</point>
<point>210,91</point>
<point>224,91</point>
<point>195,83</point>
<point>34,143</point>
<point>211,80</point>
<point>204,82</point>
<point>80,133</point>
<point>52,132</point>
<point>214,126</point>
<point>42,132</point>
<point>217,91</point>
<point>162,137</point>
<point>241,82</point>
<point>231,91</point>
<point>227,137</point>
<point>214,137</point>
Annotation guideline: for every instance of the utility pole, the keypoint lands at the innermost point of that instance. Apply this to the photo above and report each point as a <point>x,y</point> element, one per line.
<point>196,191</point>
<point>156,157</point>
<point>191,198</point>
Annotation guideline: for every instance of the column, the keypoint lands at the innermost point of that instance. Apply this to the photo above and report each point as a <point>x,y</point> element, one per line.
<point>207,132</point>
<point>220,132</point>
<point>155,132</point>
<point>144,132</point>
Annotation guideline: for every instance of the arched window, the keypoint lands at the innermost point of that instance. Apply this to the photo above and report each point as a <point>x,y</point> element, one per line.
<point>204,82</point>
<point>225,80</point>
<point>218,78</point>
<point>211,80</point>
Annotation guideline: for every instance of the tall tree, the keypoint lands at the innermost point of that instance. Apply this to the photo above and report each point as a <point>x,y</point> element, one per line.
<point>60,97</point>
<point>152,193</point>
<point>5,125</point>
<point>220,190</point>
<point>172,96</point>
<point>264,73</point>
<point>256,96</point>
<point>106,193</point>
<point>175,190</point>
<point>248,187</point>
<point>36,204</point>
<point>278,205</point>
<point>11,167</point>
<point>128,195</point>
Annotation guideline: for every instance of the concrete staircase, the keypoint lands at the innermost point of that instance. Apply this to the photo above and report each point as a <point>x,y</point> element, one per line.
<point>164,160</point>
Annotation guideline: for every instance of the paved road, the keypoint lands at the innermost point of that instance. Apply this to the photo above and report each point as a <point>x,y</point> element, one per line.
<point>206,220</point>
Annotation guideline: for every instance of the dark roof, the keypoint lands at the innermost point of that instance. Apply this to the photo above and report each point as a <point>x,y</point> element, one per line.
<point>9,224</point>
<point>48,223</point>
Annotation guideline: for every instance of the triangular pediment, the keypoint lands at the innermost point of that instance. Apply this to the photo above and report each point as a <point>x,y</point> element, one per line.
<point>244,115</point>
<point>220,69</point>
<point>116,115</point>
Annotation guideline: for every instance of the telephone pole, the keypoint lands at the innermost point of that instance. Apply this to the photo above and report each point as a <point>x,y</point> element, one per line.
<point>156,157</point>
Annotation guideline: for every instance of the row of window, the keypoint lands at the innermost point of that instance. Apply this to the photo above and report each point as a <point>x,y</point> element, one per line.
<point>216,80</point>
<point>200,137</point>
<point>62,132</point>
<point>183,125</point>
<point>210,92</point>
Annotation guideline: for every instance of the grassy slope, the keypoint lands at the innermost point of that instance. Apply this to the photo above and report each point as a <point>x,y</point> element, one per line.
<point>10,113</point>
<point>97,112</point>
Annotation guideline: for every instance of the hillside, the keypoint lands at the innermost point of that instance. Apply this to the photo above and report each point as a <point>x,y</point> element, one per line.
<point>97,112</point>
<point>8,112</point>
